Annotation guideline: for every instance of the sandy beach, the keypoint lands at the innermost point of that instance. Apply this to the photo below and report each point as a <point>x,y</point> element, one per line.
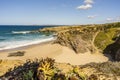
<point>60,53</point>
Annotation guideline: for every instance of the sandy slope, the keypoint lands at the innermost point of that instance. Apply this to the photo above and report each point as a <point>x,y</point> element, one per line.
<point>56,51</point>
<point>69,56</point>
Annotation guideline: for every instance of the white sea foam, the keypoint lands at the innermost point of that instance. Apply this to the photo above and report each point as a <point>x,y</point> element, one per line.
<point>17,44</point>
<point>20,32</point>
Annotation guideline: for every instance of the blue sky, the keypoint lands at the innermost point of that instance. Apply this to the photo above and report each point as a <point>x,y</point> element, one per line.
<point>44,12</point>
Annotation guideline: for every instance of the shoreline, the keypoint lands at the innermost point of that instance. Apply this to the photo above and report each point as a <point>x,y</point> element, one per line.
<point>25,47</point>
<point>29,45</point>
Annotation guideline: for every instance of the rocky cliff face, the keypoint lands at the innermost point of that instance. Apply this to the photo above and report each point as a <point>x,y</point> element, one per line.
<point>77,40</point>
<point>73,41</point>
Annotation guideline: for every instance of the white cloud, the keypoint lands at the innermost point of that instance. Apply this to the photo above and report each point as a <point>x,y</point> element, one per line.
<point>109,19</point>
<point>88,4</point>
<point>92,17</point>
<point>115,19</point>
<point>84,7</point>
<point>88,1</point>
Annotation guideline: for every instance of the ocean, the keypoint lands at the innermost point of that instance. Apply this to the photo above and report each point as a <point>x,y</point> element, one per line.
<point>12,36</point>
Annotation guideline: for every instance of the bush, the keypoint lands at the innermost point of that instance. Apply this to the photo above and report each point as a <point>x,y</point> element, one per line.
<point>19,53</point>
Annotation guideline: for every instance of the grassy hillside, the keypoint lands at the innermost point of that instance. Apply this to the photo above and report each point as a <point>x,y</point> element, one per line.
<point>105,38</point>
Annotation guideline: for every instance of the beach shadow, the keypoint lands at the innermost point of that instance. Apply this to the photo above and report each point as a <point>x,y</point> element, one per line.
<point>111,50</point>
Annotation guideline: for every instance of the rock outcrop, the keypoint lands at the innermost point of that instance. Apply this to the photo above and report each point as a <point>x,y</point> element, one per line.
<point>72,41</point>
<point>77,40</point>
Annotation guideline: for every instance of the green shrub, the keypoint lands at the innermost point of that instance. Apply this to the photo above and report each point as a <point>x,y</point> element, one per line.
<point>28,76</point>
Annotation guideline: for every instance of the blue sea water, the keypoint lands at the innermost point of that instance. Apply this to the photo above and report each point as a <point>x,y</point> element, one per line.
<point>18,36</point>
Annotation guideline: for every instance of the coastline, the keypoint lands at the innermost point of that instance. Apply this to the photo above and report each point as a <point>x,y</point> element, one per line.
<point>60,53</point>
<point>27,44</point>
<point>25,47</point>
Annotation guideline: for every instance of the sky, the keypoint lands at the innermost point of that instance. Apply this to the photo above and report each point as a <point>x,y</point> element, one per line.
<point>58,12</point>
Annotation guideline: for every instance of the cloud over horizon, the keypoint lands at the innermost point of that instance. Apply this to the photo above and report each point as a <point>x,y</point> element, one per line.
<point>118,18</point>
<point>113,19</point>
<point>109,19</point>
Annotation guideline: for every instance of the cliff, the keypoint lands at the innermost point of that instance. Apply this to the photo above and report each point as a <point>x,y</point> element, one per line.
<point>88,38</point>
<point>83,38</point>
